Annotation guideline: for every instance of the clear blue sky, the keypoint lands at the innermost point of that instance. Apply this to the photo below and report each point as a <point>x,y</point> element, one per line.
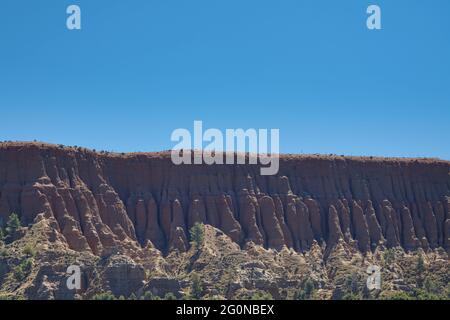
<point>139,69</point>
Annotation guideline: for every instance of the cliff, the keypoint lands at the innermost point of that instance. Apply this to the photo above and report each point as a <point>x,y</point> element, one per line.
<point>102,200</point>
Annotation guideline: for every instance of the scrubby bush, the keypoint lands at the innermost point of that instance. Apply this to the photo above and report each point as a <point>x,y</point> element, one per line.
<point>197,235</point>
<point>397,296</point>
<point>29,250</point>
<point>420,269</point>
<point>22,271</point>
<point>261,296</point>
<point>196,287</point>
<point>306,290</point>
<point>148,295</point>
<point>170,296</point>
<point>104,296</point>
<point>132,297</point>
<point>420,266</point>
<point>12,225</point>
<point>389,257</point>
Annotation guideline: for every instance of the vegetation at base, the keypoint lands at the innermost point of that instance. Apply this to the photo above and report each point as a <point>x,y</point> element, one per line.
<point>197,235</point>
<point>11,227</point>
<point>148,295</point>
<point>261,296</point>
<point>306,291</point>
<point>170,296</point>
<point>352,288</point>
<point>104,296</point>
<point>29,251</point>
<point>388,257</point>
<point>416,294</point>
<point>196,287</point>
<point>22,271</point>
<point>420,270</point>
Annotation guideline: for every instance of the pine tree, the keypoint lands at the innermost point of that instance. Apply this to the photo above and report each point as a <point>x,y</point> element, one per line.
<point>12,225</point>
<point>197,235</point>
<point>197,287</point>
<point>420,269</point>
<point>132,297</point>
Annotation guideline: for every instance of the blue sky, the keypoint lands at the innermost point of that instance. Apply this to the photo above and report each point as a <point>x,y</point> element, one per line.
<point>139,69</point>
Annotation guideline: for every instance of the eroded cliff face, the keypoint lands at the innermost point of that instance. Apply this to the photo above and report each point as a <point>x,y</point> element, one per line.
<point>102,201</point>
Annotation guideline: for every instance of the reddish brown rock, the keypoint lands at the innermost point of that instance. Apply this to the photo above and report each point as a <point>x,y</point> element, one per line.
<point>390,230</point>
<point>279,211</point>
<point>410,240</point>
<point>360,226</point>
<point>154,232</point>
<point>97,201</point>
<point>228,223</point>
<point>315,216</point>
<point>375,232</point>
<point>272,228</point>
<point>248,220</point>
<point>335,232</point>
<point>141,220</point>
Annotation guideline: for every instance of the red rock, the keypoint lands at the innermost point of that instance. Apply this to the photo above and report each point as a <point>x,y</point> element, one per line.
<point>228,223</point>
<point>410,240</point>
<point>272,228</point>
<point>375,232</point>
<point>84,195</point>
<point>360,226</point>
<point>335,232</point>
<point>248,220</point>
<point>315,216</point>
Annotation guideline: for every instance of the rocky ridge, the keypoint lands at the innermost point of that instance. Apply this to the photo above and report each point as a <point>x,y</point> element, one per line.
<point>140,206</point>
<point>101,200</point>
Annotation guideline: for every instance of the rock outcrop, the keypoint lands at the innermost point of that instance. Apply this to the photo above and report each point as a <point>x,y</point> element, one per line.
<point>98,201</point>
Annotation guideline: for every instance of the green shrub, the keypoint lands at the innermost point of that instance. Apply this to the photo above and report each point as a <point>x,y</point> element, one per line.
<point>196,287</point>
<point>397,296</point>
<point>12,225</point>
<point>261,296</point>
<point>420,266</point>
<point>22,271</point>
<point>351,296</point>
<point>170,296</point>
<point>132,297</point>
<point>197,235</point>
<point>420,269</point>
<point>148,295</point>
<point>104,296</point>
<point>389,257</point>
<point>431,286</point>
<point>29,250</point>
<point>306,290</point>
